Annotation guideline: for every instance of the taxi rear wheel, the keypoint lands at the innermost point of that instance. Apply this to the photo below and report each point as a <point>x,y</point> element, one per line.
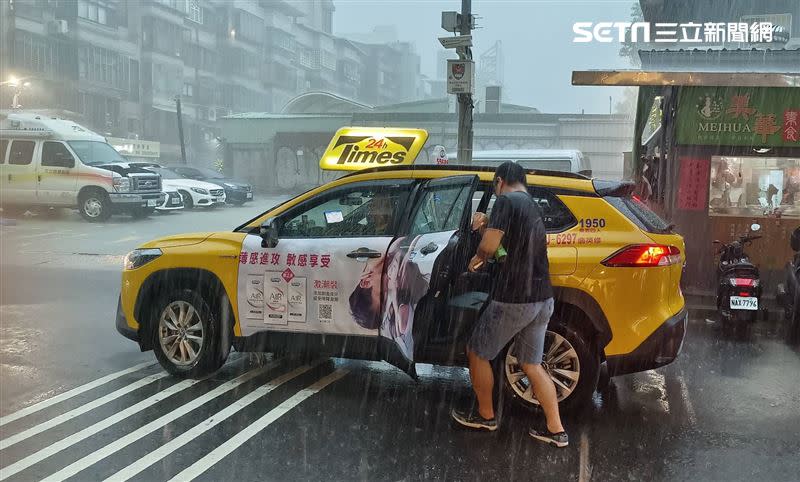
<point>571,362</point>
<point>185,335</point>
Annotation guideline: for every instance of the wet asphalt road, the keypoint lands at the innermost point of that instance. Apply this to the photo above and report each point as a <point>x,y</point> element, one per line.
<point>728,409</point>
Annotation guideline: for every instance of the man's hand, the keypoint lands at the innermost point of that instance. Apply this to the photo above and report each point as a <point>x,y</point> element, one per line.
<point>476,263</point>
<point>479,221</point>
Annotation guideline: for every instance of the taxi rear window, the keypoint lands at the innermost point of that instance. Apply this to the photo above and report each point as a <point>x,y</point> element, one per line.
<point>638,212</point>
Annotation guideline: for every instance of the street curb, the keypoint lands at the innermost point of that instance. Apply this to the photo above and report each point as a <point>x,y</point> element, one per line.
<point>702,312</point>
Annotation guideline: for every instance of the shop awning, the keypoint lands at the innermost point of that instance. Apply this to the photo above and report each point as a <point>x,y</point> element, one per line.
<point>654,78</point>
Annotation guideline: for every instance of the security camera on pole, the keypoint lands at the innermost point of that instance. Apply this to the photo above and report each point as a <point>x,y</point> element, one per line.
<point>461,73</point>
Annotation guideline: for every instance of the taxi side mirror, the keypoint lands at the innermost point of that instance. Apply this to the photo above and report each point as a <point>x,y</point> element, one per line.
<point>269,233</point>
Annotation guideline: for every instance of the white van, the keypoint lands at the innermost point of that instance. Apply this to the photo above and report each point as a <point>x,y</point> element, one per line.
<point>563,160</point>
<point>48,162</point>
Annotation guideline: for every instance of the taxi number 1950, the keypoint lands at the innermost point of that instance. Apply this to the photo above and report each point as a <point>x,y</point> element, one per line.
<point>592,223</point>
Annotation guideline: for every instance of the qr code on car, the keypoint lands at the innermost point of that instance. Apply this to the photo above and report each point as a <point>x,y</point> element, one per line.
<point>325,313</point>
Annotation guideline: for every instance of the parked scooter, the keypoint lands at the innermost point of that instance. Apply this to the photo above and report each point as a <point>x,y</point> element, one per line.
<point>738,282</point>
<point>789,293</point>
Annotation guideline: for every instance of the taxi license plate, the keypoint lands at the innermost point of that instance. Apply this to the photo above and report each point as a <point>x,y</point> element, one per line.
<point>151,203</point>
<point>249,195</point>
<point>744,303</point>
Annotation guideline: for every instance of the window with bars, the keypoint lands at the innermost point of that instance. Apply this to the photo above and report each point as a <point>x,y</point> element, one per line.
<point>250,27</point>
<point>194,11</point>
<point>43,55</point>
<point>95,11</point>
<point>309,58</point>
<point>104,66</point>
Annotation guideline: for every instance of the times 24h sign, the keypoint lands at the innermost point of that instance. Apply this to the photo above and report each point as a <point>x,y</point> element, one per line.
<point>460,76</point>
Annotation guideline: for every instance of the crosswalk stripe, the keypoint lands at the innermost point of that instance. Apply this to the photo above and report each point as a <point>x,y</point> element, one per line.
<point>205,463</point>
<point>71,393</point>
<point>71,440</point>
<point>107,450</point>
<point>55,421</point>
<point>202,427</point>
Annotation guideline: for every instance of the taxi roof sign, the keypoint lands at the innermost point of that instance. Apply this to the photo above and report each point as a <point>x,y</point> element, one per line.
<point>355,148</point>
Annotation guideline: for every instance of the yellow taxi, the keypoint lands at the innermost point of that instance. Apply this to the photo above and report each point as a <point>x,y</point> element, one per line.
<point>374,266</point>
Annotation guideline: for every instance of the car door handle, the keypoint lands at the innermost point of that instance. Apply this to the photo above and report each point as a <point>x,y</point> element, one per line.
<point>364,253</point>
<point>429,248</point>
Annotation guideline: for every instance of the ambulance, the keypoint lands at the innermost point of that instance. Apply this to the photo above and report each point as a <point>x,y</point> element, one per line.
<point>51,162</point>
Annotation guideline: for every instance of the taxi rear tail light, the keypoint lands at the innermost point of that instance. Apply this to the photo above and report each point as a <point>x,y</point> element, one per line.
<point>644,256</point>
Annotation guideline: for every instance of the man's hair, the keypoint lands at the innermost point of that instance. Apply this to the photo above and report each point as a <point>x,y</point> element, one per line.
<point>511,173</point>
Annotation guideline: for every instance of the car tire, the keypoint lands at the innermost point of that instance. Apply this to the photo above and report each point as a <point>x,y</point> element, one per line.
<point>173,323</point>
<point>578,392</point>
<point>141,213</point>
<point>188,203</point>
<point>94,205</point>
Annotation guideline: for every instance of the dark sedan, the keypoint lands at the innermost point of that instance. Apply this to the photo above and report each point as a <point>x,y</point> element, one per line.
<point>236,192</point>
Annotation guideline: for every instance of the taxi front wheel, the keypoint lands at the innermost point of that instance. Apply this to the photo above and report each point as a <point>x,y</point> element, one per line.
<point>571,363</point>
<point>185,335</point>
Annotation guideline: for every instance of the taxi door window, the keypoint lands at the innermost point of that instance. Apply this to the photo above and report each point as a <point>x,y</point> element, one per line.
<point>363,210</point>
<point>55,154</point>
<point>556,215</point>
<point>441,210</point>
<point>21,153</point>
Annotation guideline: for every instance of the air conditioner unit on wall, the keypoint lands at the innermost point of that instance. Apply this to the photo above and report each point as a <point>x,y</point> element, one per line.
<point>60,27</point>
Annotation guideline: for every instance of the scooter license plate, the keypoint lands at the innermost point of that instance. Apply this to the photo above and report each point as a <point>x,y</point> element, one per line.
<point>744,303</point>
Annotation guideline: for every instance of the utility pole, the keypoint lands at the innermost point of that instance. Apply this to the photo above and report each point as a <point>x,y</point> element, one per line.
<point>465,100</point>
<point>180,128</point>
<point>461,73</point>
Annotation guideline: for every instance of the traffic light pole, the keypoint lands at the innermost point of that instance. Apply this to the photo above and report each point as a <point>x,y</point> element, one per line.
<point>465,100</point>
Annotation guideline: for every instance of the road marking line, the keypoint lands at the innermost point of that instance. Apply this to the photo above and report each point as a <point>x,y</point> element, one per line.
<point>585,469</point>
<point>71,440</point>
<point>107,450</point>
<point>36,429</point>
<point>199,429</point>
<point>71,393</point>
<point>687,400</point>
<point>196,469</point>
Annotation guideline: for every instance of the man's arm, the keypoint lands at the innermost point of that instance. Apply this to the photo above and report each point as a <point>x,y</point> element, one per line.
<point>489,243</point>
<point>492,235</point>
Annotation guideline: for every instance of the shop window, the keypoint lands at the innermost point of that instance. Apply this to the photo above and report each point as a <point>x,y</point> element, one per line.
<point>754,186</point>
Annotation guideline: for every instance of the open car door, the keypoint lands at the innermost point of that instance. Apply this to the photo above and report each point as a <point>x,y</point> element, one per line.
<point>417,268</point>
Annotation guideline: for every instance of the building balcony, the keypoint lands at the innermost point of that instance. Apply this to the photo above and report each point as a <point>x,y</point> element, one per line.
<point>284,6</point>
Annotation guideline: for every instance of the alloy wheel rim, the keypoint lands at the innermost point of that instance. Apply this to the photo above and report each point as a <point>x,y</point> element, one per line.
<point>180,333</point>
<point>92,207</point>
<point>560,361</point>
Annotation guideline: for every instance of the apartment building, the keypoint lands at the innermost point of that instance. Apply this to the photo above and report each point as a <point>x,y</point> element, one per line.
<point>118,66</point>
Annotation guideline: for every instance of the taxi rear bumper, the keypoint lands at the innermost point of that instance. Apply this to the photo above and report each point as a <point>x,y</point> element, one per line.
<point>660,348</point>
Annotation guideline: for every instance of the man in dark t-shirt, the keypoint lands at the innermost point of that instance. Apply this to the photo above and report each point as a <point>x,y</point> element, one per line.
<point>520,306</point>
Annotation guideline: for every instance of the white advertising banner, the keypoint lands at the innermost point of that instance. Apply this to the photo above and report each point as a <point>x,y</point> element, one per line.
<point>311,286</point>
